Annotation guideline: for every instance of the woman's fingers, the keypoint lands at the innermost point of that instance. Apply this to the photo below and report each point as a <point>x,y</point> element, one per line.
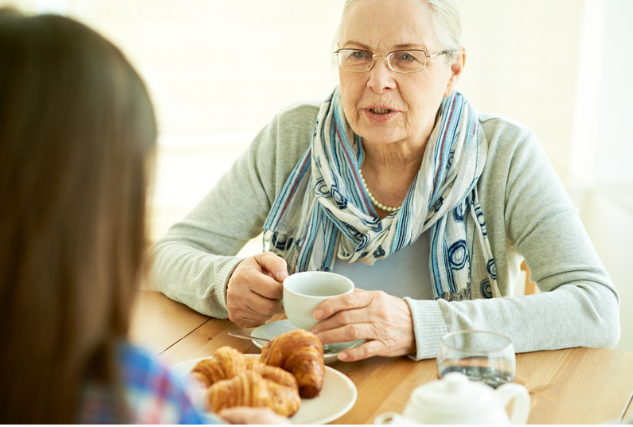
<point>354,308</point>
<point>247,415</point>
<point>263,274</point>
<point>254,289</point>
<point>254,311</point>
<point>343,333</point>
<point>249,309</point>
<point>383,320</point>
<point>369,349</point>
<point>273,264</point>
<point>356,299</point>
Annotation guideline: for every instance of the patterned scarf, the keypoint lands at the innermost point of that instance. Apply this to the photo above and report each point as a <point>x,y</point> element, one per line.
<point>323,211</point>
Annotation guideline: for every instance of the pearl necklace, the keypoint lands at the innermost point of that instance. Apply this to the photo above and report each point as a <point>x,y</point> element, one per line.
<point>373,199</point>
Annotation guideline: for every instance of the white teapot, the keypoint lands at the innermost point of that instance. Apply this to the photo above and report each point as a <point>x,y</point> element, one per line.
<point>456,400</point>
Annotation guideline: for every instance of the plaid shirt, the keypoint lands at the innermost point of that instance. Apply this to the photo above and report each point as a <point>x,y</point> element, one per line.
<point>154,395</point>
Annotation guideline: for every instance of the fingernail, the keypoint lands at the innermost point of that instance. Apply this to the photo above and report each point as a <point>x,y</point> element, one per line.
<point>318,314</point>
<point>281,276</point>
<point>342,356</point>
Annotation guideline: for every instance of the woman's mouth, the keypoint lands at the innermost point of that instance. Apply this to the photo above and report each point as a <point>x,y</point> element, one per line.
<point>379,114</point>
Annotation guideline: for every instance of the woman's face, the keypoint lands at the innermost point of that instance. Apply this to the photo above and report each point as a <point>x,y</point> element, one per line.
<point>381,105</point>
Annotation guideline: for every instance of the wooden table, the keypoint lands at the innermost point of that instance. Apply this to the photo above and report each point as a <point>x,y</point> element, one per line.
<point>571,386</point>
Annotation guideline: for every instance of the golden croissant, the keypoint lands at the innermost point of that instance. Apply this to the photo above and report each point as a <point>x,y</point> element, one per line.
<point>252,389</point>
<point>225,363</point>
<point>236,380</point>
<point>301,353</point>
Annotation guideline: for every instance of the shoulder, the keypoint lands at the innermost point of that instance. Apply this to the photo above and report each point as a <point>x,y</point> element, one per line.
<point>290,129</point>
<point>141,371</point>
<point>515,160</point>
<point>303,112</point>
<point>149,383</point>
<point>510,141</point>
<point>133,356</point>
<point>503,129</point>
<point>280,144</point>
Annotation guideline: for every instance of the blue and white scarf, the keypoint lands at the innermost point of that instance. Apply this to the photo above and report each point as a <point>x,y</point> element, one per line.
<point>323,211</point>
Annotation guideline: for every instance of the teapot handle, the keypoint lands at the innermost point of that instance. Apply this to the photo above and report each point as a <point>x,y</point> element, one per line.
<point>521,407</point>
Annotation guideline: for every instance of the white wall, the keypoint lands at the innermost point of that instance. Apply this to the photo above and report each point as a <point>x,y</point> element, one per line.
<point>522,61</point>
<point>602,147</point>
<point>614,139</point>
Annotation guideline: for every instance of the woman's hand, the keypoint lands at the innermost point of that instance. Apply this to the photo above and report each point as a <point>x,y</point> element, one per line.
<point>254,288</point>
<point>246,415</point>
<point>383,320</point>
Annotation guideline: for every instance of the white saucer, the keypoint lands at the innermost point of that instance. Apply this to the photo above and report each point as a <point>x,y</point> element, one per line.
<point>337,396</point>
<point>271,330</point>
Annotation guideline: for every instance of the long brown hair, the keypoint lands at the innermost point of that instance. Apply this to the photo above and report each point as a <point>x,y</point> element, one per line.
<point>76,129</point>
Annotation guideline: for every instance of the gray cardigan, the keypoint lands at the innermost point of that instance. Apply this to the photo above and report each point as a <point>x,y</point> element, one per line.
<point>528,215</point>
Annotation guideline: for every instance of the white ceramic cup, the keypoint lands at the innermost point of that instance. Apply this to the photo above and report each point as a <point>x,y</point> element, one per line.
<point>303,292</point>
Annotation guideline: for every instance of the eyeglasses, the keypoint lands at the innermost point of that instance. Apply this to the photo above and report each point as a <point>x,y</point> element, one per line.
<point>400,61</point>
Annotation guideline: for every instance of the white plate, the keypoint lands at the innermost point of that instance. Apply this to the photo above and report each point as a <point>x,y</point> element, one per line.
<point>271,330</point>
<point>337,396</point>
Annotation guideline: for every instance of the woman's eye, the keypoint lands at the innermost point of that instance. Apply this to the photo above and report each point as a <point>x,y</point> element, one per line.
<point>406,56</point>
<point>358,54</point>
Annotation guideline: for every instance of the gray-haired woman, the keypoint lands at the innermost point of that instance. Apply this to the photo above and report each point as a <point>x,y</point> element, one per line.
<point>397,182</point>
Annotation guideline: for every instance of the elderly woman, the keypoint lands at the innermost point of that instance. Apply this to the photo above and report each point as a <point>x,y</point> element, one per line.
<point>397,182</point>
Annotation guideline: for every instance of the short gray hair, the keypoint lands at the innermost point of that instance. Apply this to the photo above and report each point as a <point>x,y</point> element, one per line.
<point>446,20</point>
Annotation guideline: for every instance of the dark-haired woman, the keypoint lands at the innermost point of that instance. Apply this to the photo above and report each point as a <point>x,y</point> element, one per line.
<point>77,131</point>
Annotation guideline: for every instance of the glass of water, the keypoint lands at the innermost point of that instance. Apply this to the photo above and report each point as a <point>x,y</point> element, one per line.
<point>481,356</point>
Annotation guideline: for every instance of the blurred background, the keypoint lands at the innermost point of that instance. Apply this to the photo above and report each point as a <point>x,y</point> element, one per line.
<point>218,70</point>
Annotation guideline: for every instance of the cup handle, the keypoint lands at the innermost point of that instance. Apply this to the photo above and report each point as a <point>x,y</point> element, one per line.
<point>521,407</point>
<point>391,418</point>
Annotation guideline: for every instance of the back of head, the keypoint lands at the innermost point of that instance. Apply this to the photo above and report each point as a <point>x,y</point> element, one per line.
<point>76,128</point>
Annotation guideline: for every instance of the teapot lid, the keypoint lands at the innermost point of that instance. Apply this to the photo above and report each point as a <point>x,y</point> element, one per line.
<point>453,393</point>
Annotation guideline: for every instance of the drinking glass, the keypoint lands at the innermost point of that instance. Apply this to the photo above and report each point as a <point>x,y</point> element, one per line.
<point>481,356</point>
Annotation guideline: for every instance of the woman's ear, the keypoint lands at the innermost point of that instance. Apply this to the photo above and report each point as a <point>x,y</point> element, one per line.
<point>456,71</point>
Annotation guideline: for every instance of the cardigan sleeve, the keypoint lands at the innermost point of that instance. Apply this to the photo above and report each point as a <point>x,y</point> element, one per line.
<point>194,260</point>
<point>529,214</point>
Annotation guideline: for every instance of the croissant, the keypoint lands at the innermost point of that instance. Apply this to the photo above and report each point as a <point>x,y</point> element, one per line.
<point>301,353</point>
<point>252,389</point>
<point>276,375</point>
<point>225,363</point>
<point>234,379</point>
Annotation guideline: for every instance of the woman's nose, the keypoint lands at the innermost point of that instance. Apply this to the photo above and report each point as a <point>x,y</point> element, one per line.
<point>381,77</point>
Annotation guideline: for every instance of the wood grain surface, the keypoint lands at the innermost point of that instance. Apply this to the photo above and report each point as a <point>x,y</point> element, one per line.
<point>569,386</point>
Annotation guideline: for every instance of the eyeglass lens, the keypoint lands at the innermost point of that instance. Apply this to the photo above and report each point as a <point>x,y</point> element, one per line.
<point>405,61</point>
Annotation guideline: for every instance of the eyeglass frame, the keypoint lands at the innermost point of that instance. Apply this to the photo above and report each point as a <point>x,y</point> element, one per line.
<point>386,56</point>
